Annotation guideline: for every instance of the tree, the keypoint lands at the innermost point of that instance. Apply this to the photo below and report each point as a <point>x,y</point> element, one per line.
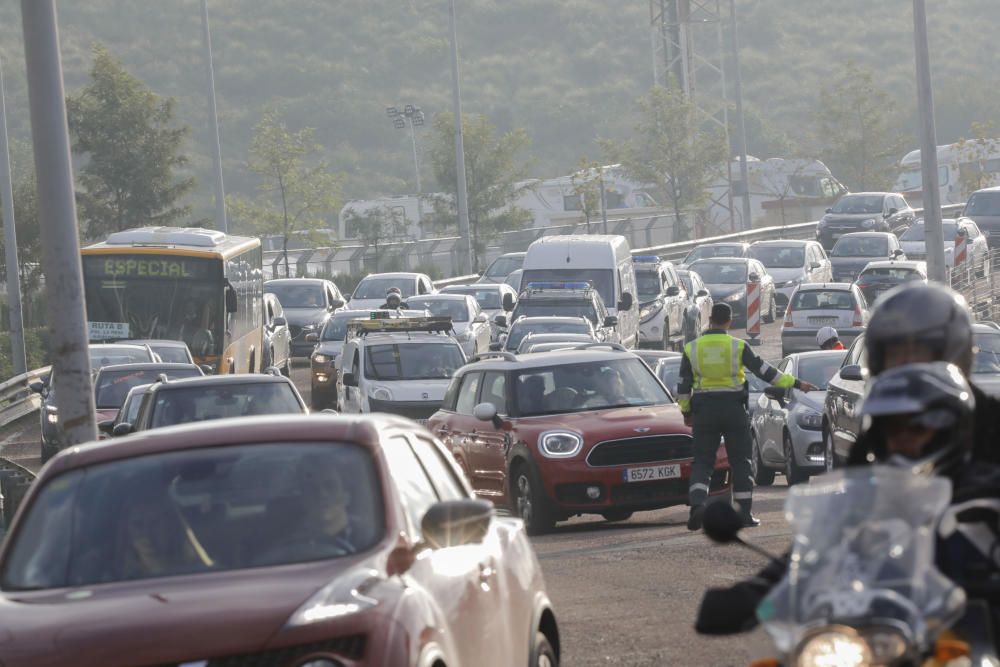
<point>856,132</point>
<point>673,149</point>
<point>133,148</point>
<point>493,172</point>
<point>297,193</point>
<point>974,155</point>
<point>29,240</point>
<point>375,226</point>
<point>586,184</point>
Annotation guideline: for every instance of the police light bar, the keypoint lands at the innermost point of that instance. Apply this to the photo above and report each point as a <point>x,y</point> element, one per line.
<point>398,325</point>
<point>558,285</point>
<point>646,259</point>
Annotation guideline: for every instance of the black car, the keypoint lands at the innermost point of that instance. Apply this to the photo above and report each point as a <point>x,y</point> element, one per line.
<point>864,212</point>
<point>306,303</point>
<point>853,252</point>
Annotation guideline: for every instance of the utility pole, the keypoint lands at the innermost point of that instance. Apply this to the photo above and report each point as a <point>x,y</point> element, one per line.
<point>741,128</point>
<point>604,201</point>
<point>10,245</point>
<point>420,191</point>
<point>465,254</point>
<point>933,231</point>
<point>67,317</point>
<point>220,187</point>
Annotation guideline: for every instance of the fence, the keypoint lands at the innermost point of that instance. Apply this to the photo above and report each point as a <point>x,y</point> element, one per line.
<point>979,282</point>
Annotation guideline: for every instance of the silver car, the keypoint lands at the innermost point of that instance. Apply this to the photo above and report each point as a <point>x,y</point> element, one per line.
<point>668,369</point>
<point>791,263</point>
<point>787,426</point>
<point>817,305</point>
<point>496,300</point>
<point>471,325</point>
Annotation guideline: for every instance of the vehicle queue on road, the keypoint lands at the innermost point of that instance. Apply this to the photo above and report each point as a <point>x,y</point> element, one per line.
<point>547,434</point>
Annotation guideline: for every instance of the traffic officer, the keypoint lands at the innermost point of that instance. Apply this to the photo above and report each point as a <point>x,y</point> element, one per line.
<point>711,392</point>
<point>828,339</point>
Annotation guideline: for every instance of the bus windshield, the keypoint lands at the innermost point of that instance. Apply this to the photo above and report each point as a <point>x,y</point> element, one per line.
<point>149,296</point>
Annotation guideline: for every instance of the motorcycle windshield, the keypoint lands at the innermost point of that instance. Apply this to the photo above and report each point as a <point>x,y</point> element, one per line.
<point>863,552</point>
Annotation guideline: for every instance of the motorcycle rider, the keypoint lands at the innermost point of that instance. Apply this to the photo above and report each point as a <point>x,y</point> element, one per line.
<point>828,339</point>
<point>393,300</point>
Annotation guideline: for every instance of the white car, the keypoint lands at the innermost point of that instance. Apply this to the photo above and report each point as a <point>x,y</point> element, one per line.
<point>471,325</point>
<point>511,341</point>
<point>493,299</point>
<point>662,301</point>
<point>791,263</point>
<point>699,305</point>
<point>371,291</point>
<point>398,366</point>
<point>817,305</point>
<point>976,247</point>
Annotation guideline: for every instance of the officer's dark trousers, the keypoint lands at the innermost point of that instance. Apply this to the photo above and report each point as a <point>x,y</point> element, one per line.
<point>721,415</point>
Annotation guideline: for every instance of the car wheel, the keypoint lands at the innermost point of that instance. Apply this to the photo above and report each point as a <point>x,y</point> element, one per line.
<point>829,458</point>
<point>793,473</point>
<point>769,318</point>
<point>617,515</point>
<point>530,502</point>
<point>545,655</point>
<point>762,475</point>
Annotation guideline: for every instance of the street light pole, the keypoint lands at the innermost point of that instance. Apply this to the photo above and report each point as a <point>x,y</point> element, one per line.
<point>220,188</point>
<point>461,186</point>
<point>604,201</point>
<point>740,122</point>
<point>933,230</point>
<point>67,317</point>
<point>10,245</point>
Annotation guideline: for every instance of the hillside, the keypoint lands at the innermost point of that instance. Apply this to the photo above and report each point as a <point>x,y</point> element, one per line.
<point>567,71</point>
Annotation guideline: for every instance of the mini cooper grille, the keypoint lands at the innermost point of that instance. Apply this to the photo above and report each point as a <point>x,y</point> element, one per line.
<point>351,647</point>
<point>641,450</point>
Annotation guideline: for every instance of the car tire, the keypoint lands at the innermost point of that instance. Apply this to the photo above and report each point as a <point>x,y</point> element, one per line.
<point>794,474</point>
<point>665,343</point>
<point>529,501</point>
<point>770,317</point>
<point>545,655</point>
<point>762,475</point>
<point>266,358</point>
<point>617,515</point>
<point>829,457</point>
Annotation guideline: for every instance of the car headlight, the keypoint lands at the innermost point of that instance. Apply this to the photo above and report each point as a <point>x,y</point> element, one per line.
<point>650,311</point>
<point>560,444</point>
<point>791,283</point>
<point>869,223</point>
<point>344,596</point>
<point>321,358</point>
<point>834,648</point>
<point>735,296</point>
<point>810,420</point>
<point>52,417</point>
<point>381,394</point>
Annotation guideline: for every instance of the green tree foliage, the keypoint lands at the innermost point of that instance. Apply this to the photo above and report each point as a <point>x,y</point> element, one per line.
<point>857,135</point>
<point>673,148</point>
<point>493,167</point>
<point>586,185</point>
<point>132,147</point>
<point>29,240</point>
<point>375,227</point>
<point>296,191</point>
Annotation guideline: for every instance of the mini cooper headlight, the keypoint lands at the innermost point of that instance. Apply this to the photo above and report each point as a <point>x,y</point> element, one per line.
<point>559,444</point>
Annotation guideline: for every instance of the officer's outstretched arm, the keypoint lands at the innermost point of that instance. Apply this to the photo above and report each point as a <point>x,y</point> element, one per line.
<point>770,374</point>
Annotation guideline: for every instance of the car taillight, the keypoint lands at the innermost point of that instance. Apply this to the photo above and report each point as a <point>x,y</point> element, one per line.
<point>858,318</point>
<point>788,315</point>
<point>862,285</point>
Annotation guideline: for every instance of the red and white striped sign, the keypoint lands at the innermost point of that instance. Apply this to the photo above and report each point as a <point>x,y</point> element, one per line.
<point>961,243</point>
<point>753,308</point>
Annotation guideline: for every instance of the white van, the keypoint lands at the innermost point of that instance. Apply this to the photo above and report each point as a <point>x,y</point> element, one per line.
<point>603,261</point>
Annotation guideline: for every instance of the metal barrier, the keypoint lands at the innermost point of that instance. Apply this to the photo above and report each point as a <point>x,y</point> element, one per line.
<point>16,399</point>
<point>978,280</point>
<point>457,280</point>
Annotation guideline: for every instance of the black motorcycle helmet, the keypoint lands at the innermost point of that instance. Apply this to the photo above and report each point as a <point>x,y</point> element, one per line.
<point>932,317</point>
<point>928,406</point>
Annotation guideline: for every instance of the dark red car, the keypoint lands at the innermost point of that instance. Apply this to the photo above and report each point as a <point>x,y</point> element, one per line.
<point>293,541</point>
<point>557,434</point>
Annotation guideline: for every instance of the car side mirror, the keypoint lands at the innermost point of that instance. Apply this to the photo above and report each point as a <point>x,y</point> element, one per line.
<point>500,320</point>
<point>722,523</point>
<point>829,210</point>
<point>702,292</point>
<point>481,318</point>
<point>815,265</point>
<point>312,338</point>
<point>454,523</point>
<point>626,302</point>
<point>897,252</point>
<point>336,303</point>
<point>206,369</point>
<point>231,304</point>
<point>279,322</point>
<point>673,290</point>
<point>39,387</point>
<point>121,429</point>
<point>754,278</point>
<point>106,426</point>
<point>487,412</point>
<point>349,380</point>
<point>508,301</point>
<point>852,372</point>
<point>495,347</point>
<point>610,321</point>
<point>892,211</point>
<point>775,394</point>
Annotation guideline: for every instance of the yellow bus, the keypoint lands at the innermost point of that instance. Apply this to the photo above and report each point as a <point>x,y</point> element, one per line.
<point>196,285</point>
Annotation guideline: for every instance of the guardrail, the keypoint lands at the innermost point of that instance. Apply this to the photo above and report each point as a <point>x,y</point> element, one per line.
<point>457,280</point>
<point>16,399</point>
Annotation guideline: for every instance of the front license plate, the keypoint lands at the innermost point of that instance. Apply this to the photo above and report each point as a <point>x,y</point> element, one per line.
<point>652,473</point>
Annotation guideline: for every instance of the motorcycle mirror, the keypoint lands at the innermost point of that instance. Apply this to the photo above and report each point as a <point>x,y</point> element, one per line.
<point>722,523</point>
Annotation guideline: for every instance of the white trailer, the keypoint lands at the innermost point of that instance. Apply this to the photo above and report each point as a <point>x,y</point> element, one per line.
<point>956,160</point>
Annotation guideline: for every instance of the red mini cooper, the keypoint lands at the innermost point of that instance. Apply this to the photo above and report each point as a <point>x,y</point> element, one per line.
<point>557,434</point>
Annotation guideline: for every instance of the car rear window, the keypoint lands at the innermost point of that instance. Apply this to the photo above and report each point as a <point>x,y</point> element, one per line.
<point>553,308</point>
<point>887,274</point>
<point>520,330</point>
<point>208,402</point>
<point>198,511</point>
<point>823,300</point>
<point>112,387</point>
<point>861,246</point>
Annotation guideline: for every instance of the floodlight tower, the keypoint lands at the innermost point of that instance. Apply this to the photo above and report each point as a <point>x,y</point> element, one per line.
<point>413,117</point>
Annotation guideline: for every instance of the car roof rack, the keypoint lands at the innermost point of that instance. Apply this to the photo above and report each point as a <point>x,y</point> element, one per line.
<point>399,325</point>
<point>617,347</point>
<point>496,354</point>
<point>162,377</point>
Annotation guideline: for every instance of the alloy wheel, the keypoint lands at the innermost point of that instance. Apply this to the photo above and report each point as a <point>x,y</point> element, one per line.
<point>524,497</point>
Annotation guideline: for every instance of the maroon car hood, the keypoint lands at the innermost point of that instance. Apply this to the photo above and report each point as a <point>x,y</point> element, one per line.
<point>614,423</point>
<point>156,621</point>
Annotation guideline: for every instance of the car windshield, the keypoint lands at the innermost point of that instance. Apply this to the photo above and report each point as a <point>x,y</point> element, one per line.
<point>198,511</point>
<point>488,299</point>
<point>182,405</point>
<point>172,354</point>
<point>669,371</point>
<point>861,246</point>
<point>916,232</point>
<point>719,273</point>
<point>292,295</point>
<point>111,355</point>
<point>554,308</point>
<point>504,266</point>
<point>522,329</point>
<point>648,285</point>
<point>601,279</point>
<point>888,275</point>
<point>412,361</point>
<point>818,370</point>
<point>130,409</point>
<point>375,288</point>
<point>987,353</point>
<point>856,204</point>
<point>112,387</point>
<point>815,299</point>
<point>709,251</point>
<point>983,203</point>
<point>456,309</point>
<point>779,257</point>
<point>581,387</point>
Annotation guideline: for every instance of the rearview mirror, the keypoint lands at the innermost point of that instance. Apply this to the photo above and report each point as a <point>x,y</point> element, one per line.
<point>626,302</point>
<point>829,210</point>
<point>231,304</point>
<point>350,380</point>
<point>815,265</point>
<point>610,321</point>
<point>336,303</point>
<point>312,338</point>
<point>892,211</point>
<point>852,372</point>
<point>500,320</point>
<point>121,429</point>
<point>775,394</point>
<point>754,277</point>
<point>106,426</point>
<point>702,292</point>
<point>38,387</point>
<point>722,523</point>
<point>508,301</point>
<point>280,322</point>
<point>453,523</point>
<point>481,318</point>
<point>673,290</point>
<point>897,252</point>
<point>487,412</point>
<point>495,347</point>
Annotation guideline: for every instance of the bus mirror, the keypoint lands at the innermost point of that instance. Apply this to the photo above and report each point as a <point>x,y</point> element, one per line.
<point>231,305</point>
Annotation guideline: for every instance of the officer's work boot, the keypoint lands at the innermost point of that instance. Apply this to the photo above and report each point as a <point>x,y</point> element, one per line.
<point>694,519</point>
<point>749,520</point>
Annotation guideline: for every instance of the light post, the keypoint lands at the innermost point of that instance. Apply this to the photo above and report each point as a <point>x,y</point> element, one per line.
<point>10,245</point>
<point>462,187</point>
<point>213,122</point>
<point>413,117</point>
